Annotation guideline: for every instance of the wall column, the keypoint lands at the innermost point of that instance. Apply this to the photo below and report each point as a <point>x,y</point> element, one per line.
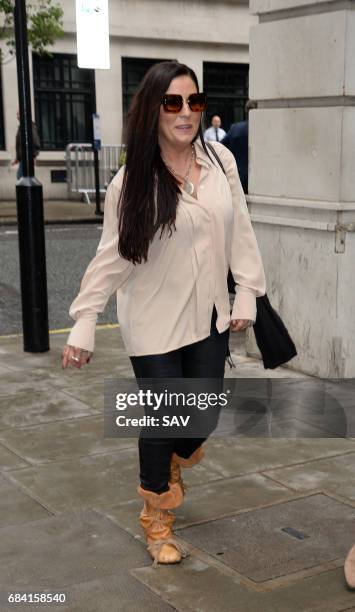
<point>302,174</point>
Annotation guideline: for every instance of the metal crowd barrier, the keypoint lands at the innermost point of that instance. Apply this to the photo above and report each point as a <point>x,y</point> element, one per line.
<point>80,167</point>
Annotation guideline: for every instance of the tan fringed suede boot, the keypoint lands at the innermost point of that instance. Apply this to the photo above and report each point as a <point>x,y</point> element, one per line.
<point>178,462</point>
<point>157,521</point>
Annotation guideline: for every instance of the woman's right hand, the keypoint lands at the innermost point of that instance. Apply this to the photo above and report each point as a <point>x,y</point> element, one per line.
<point>75,357</point>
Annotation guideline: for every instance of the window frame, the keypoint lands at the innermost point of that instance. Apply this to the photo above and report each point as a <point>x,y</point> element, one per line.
<point>127,92</point>
<point>63,95</point>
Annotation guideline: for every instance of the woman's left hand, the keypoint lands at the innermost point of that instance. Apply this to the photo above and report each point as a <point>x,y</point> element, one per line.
<point>240,324</point>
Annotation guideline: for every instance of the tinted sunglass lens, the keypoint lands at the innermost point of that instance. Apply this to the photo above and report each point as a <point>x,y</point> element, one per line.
<point>172,104</point>
<point>198,102</point>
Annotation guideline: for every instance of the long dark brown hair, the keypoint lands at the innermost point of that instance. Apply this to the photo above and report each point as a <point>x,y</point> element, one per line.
<point>149,195</point>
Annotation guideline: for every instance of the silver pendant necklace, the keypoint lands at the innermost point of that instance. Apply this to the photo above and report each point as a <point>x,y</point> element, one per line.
<point>188,186</point>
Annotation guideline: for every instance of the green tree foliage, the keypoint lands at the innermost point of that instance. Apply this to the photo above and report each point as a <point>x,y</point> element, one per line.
<point>44,25</point>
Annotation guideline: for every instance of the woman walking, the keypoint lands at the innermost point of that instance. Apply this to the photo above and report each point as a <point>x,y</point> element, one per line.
<point>174,223</point>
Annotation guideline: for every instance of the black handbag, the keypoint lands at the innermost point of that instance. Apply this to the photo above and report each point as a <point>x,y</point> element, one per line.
<point>274,342</point>
<point>272,338</point>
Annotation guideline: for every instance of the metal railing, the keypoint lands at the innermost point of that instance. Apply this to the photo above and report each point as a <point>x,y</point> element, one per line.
<point>80,167</point>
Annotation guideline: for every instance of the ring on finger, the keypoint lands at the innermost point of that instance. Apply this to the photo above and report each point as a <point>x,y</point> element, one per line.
<point>75,358</point>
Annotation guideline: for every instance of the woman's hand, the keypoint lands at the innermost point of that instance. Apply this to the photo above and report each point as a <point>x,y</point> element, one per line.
<point>240,324</point>
<point>74,356</point>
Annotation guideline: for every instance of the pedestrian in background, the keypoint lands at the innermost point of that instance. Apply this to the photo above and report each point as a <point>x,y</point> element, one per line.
<point>36,147</point>
<point>237,141</point>
<point>173,224</point>
<point>215,132</point>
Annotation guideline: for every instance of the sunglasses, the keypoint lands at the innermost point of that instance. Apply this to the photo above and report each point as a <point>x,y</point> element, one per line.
<point>173,103</point>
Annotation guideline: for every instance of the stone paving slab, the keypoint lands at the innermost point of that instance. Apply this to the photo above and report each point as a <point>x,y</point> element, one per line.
<point>50,362</point>
<point>9,460</point>
<point>83,482</point>
<point>109,357</point>
<point>228,495</point>
<point>120,592</point>
<point>238,456</point>
<point>336,474</point>
<point>338,419</point>
<point>259,426</point>
<point>61,440</point>
<point>40,405</point>
<point>84,385</point>
<point>15,359</point>
<point>90,394</point>
<point>16,506</point>
<point>67,549</point>
<point>14,382</point>
<point>248,367</point>
<point>101,480</point>
<point>238,424</point>
<point>290,389</point>
<point>322,528</point>
<point>327,407</point>
<point>196,586</point>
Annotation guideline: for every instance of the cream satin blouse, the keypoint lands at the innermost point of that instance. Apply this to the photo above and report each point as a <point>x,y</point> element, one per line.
<point>167,302</point>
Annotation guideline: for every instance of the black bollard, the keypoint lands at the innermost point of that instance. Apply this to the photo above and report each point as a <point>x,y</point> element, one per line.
<point>30,217</point>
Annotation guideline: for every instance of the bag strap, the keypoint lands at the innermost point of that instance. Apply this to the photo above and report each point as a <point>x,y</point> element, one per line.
<point>215,155</point>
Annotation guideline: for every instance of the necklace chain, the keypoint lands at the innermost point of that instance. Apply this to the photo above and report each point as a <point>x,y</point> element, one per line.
<point>187,183</point>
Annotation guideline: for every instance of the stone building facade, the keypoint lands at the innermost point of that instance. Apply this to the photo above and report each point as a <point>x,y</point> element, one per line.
<point>211,37</point>
<point>302,173</point>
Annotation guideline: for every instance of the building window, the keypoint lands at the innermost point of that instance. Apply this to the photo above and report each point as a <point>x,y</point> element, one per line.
<point>2,129</point>
<point>133,71</point>
<point>227,88</point>
<point>64,100</point>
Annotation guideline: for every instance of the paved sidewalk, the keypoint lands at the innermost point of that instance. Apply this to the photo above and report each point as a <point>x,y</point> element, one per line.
<point>55,211</point>
<point>268,521</point>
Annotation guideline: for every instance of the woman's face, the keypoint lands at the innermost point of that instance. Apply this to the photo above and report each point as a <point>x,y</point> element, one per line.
<point>179,129</point>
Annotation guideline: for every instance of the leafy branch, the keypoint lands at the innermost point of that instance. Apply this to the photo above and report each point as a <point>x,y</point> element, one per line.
<point>44,25</point>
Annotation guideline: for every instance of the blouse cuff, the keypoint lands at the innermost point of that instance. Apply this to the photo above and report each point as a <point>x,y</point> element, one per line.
<point>82,334</point>
<point>244,306</point>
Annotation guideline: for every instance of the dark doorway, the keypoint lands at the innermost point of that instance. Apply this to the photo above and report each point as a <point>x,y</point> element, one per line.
<point>227,88</point>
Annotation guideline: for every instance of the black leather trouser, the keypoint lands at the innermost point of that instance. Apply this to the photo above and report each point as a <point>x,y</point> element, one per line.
<point>203,359</point>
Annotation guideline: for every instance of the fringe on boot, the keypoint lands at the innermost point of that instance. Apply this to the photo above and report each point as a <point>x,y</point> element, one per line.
<point>157,521</point>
